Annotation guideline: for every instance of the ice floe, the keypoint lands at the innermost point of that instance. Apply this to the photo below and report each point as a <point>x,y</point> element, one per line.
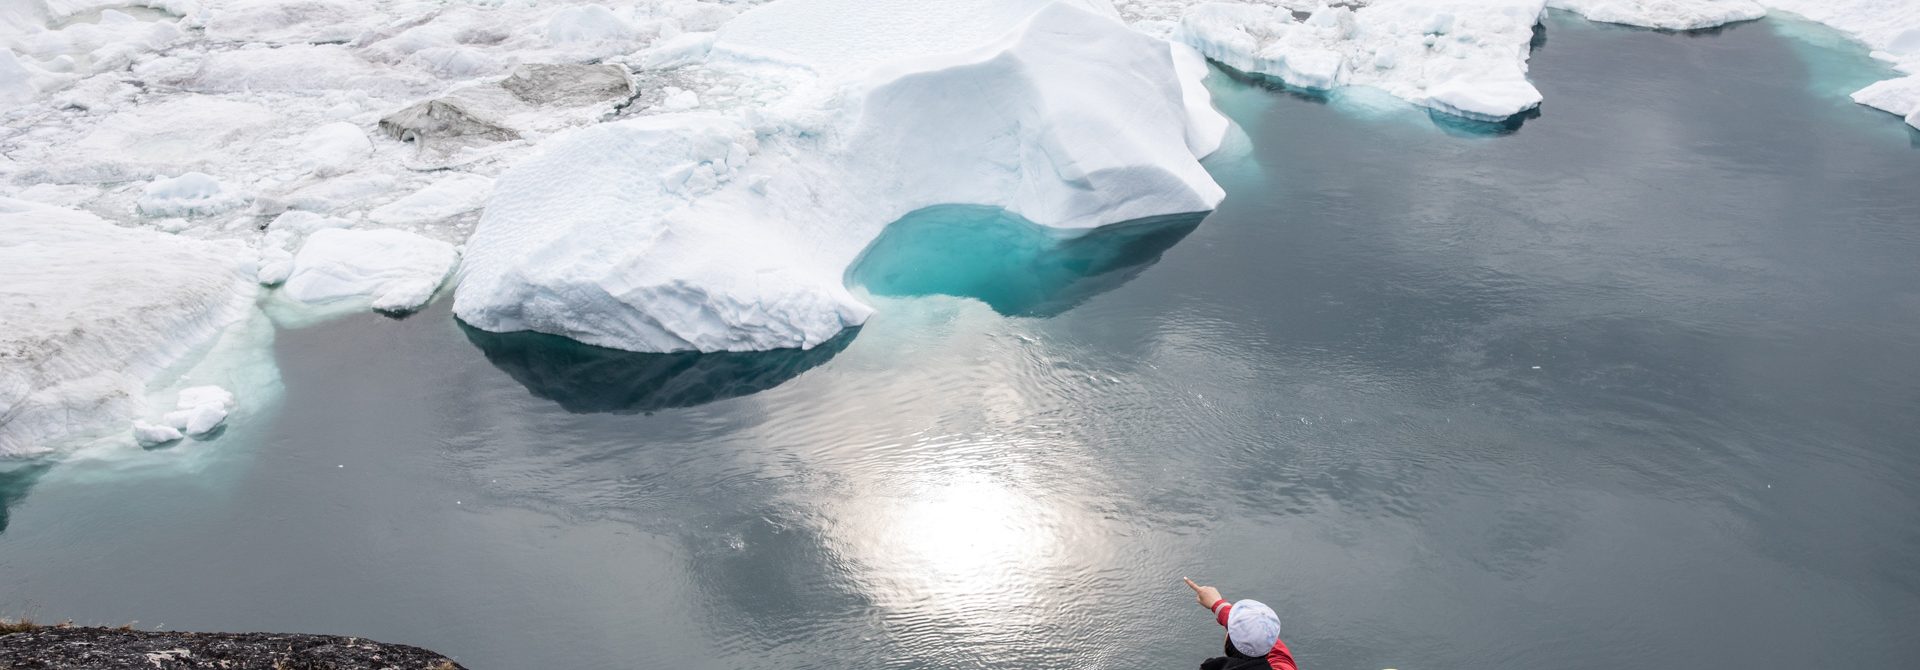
<point>735,232</point>
<point>91,312</point>
<point>393,270</point>
<point>1462,57</point>
<point>1665,14</point>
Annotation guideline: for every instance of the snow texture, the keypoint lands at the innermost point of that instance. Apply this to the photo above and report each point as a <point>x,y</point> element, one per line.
<point>705,232</point>
<point>1665,14</point>
<point>199,411</point>
<point>90,312</point>
<point>396,271</point>
<point>1462,57</point>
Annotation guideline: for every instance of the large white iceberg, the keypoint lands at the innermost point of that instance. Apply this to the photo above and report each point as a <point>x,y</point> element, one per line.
<point>91,312</point>
<point>708,232</point>
<point>1462,57</point>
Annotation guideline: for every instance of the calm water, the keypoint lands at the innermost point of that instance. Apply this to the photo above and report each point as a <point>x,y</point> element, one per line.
<point>1632,384</point>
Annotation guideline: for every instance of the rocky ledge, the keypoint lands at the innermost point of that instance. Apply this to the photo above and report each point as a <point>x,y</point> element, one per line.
<point>75,648</point>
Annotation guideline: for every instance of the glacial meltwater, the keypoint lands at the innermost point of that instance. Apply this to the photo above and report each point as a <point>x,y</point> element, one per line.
<point>1634,382</point>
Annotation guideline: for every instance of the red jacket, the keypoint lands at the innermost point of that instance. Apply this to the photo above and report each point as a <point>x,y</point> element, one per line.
<point>1278,658</point>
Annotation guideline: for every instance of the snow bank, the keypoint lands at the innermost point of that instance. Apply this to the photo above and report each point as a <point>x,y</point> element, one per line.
<point>1463,57</point>
<point>451,196</point>
<point>396,271</point>
<point>91,312</point>
<point>703,232</point>
<point>190,194</point>
<point>1665,14</point>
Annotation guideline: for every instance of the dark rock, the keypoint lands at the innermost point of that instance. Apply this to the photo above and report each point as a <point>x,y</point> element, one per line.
<point>569,84</point>
<point>74,648</point>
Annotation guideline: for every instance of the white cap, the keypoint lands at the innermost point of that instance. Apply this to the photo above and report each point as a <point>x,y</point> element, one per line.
<point>1252,627</point>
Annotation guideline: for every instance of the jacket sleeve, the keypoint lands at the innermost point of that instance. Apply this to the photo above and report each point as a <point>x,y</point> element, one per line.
<point>1220,610</point>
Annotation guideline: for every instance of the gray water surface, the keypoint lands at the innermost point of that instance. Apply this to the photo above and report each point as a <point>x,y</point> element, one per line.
<point>1632,383</point>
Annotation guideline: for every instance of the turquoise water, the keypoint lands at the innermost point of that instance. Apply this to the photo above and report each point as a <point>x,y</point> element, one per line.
<point>1632,384</point>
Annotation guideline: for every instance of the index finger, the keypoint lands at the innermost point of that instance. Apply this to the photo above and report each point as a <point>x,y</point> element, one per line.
<point>1190,583</point>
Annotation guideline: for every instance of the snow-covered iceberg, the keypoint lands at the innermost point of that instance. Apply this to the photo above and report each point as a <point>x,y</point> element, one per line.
<point>1665,14</point>
<point>717,232</point>
<point>91,312</point>
<point>1462,57</point>
<point>391,270</point>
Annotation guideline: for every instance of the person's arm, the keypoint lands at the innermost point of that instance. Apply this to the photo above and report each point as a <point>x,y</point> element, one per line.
<point>1209,598</point>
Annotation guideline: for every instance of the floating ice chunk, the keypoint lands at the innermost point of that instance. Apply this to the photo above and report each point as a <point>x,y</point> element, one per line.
<point>333,148</point>
<point>1665,14</point>
<point>274,266</point>
<point>1896,96</point>
<point>396,270</point>
<point>455,194</point>
<point>586,24</point>
<point>190,194</point>
<point>153,435</point>
<point>91,312</point>
<point>1478,70</point>
<point>696,232</point>
<point>201,409</point>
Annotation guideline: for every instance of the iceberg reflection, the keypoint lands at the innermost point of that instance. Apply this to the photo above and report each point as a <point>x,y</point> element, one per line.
<point>583,378</point>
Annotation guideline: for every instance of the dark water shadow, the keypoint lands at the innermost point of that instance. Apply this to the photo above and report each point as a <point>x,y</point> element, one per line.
<point>15,480</point>
<point>1017,267</point>
<point>585,379</point>
<point>1452,124</point>
<point>1460,126</point>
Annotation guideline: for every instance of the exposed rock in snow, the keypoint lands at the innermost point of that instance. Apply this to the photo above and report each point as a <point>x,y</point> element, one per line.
<point>451,196</point>
<point>1463,57</point>
<point>1665,14</point>
<point>395,270</point>
<point>534,100</point>
<point>90,312</point>
<point>569,85</point>
<point>190,194</point>
<point>699,232</point>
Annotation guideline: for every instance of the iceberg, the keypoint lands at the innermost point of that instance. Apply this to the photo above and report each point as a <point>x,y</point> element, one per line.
<point>716,232</point>
<point>1665,14</point>
<point>1462,57</point>
<point>91,313</point>
<point>394,270</point>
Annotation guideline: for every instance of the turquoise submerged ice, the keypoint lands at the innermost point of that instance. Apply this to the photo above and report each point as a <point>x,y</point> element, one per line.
<point>734,232</point>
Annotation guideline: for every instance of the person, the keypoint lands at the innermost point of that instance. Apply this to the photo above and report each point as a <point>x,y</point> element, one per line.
<point>1253,633</point>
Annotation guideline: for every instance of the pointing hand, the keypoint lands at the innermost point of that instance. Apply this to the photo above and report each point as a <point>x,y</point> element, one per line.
<point>1207,595</point>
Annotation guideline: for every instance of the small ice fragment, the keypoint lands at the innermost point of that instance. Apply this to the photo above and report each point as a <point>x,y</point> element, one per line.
<point>151,435</point>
